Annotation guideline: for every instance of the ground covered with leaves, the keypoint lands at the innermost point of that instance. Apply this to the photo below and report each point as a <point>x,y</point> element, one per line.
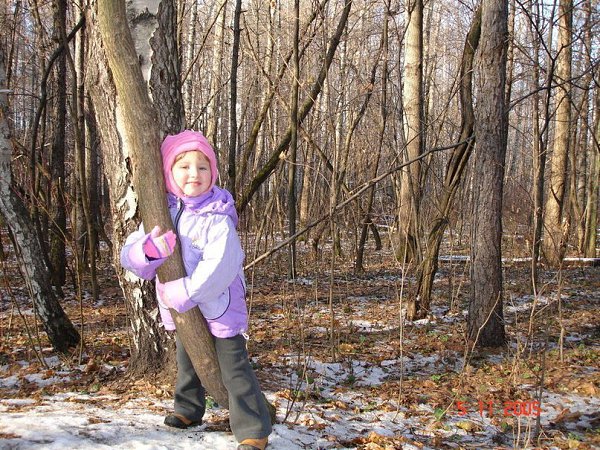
<point>336,358</point>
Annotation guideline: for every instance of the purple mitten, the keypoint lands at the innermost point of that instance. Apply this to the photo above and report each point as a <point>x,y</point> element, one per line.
<point>174,294</point>
<point>159,245</point>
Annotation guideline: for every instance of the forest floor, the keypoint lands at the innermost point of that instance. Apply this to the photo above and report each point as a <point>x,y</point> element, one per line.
<point>380,382</point>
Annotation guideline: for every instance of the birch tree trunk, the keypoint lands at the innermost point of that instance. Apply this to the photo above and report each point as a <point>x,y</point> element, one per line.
<point>485,319</point>
<point>149,346</point>
<point>556,232</point>
<point>138,126</point>
<point>61,332</point>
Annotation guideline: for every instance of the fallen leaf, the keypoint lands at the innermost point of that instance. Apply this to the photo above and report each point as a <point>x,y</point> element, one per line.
<point>376,438</point>
<point>373,446</point>
<point>9,436</point>
<point>93,420</point>
<point>566,416</point>
<point>468,426</point>
<point>340,405</point>
<point>587,388</point>
<point>346,348</point>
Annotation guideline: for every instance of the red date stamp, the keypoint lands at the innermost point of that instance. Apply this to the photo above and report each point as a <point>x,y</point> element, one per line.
<point>528,408</point>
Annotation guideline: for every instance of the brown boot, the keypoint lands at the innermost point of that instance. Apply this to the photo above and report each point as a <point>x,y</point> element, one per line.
<point>253,444</point>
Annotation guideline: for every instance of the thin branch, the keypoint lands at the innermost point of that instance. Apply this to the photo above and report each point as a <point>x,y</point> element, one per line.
<point>42,105</point>
<point>352,197</point>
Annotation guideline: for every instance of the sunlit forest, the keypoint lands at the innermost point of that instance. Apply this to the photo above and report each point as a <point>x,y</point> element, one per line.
<point>417,190</point>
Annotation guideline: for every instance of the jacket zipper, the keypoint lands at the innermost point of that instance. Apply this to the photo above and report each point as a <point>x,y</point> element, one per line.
<point>180,209</point>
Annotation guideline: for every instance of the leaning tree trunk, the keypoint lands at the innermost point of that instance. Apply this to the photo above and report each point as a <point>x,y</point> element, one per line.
<point>61,332</point>
<point>485,321</point>
<point>138,113</point>
<point>419,304</point>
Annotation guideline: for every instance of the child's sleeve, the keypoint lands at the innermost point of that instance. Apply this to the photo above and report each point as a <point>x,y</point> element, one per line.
<point>221,264</point>
<point>135,260</point>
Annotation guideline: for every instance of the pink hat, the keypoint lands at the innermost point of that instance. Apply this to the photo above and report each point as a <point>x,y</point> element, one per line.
<point>185,141</point>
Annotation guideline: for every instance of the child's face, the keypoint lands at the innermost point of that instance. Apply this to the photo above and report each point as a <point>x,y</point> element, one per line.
<point>191,171</point>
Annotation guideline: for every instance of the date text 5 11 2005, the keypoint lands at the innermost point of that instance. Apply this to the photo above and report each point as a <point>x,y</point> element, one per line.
<point>530,408</point>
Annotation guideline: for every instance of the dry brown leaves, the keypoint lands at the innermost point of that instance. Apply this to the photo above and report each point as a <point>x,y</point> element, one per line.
<point>295,320</point>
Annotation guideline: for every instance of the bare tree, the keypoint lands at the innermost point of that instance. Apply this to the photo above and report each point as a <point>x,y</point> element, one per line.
<point>138,113</point>
<point>315,90</point>
<point>131,88</point>
<point>77,115</point>
<point>292,208</point>
<point>149,350</point>
<point>486,319</point>
<point>593,185</point>
<point>56,184</point>
<point>214,106</point>
<point>541,124</point>
<point>407,242</point>
<point>419,303</point>
<point>252,150</point>
<point>188,82</point>
<point>61,332</point>
<point>233,123</point>
<point>383,111</point>
<point>556,225</point>
<point>582,154</point>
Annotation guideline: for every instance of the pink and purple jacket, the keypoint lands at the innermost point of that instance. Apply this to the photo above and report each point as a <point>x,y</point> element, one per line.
<point>212,254</point>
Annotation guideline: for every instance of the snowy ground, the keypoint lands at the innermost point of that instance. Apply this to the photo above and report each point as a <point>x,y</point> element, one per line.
<point>335,418</point>
<point>87,421</point>
<point>384,391</point>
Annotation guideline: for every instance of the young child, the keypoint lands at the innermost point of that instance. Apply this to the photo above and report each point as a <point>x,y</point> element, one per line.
<point>205,220</point>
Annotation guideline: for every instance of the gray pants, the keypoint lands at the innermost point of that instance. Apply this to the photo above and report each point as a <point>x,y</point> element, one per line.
<point>248,414</point>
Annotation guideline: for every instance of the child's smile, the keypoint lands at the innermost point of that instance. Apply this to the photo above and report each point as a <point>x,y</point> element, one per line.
<point>192,173</point>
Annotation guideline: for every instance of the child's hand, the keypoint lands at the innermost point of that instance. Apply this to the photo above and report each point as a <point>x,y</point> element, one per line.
<point>159,245</point>
<point>173,295</point>
<point>163,298</point>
